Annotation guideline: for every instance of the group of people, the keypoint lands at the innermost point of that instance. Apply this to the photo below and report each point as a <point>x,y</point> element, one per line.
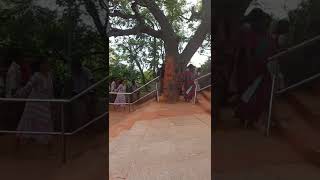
<point>119,87</point>
<point>31,77</point>
<point>28,80</point>
<point>242,71</point>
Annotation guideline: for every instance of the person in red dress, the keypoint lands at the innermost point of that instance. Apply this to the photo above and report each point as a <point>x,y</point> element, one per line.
<point>255,81</point>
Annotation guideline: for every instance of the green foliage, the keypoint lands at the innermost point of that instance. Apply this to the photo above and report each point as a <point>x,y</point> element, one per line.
<point>206,67</point>
<point>145,52</point>
<point>38,30</point>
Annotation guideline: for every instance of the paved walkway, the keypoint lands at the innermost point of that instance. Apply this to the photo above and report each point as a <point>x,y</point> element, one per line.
<point>162,141</point>
<point>249,155</point>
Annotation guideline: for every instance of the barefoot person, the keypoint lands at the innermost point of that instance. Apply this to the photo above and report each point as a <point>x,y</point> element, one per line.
<point>37,116</point>
<point>121,98</point>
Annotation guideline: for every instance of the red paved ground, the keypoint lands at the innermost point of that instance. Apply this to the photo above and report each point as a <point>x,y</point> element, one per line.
<point>152,111</point>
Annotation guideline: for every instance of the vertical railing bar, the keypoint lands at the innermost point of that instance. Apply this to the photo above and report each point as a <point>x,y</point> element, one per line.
<point>270,105</point>
<point>129,99</point>
<point>195,93</point>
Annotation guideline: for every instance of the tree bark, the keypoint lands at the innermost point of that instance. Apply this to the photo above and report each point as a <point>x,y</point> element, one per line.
<point>169,81</point>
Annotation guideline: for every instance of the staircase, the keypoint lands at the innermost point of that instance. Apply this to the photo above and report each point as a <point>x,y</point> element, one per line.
<point>298,118</point>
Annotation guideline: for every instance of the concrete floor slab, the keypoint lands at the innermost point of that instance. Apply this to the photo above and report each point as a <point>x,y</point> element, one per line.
<point>167,148</point>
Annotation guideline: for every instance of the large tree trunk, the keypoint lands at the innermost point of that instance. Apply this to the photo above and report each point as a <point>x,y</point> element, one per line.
<point>169,81</point>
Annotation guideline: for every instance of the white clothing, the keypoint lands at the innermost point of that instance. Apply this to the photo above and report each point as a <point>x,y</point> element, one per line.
<point>13,79</point>
<point>113,86</point>
<point>37,115</point>
<point>121,98</point>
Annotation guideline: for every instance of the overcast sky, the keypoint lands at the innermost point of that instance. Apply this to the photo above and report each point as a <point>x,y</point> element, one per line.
<point>197,58</point>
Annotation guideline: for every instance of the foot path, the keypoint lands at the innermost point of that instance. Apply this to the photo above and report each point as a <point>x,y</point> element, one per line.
<point>162,141</point>
<point>249,155</point>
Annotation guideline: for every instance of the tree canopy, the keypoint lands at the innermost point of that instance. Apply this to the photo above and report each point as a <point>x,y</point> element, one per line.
<point>180,27</point>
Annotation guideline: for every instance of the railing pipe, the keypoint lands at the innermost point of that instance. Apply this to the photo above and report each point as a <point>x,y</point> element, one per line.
<point>88,89</point>
<point>195,93</point>
<point>298,84</point>
<point>34,100</point>
<point>270,105</point>
<point>301,45</point>
<point>209,74</point>
<point>145,85</point>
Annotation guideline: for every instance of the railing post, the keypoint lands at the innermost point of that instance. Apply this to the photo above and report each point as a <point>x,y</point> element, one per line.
<point>195,93</point>
<point>64,153</point>
<point>274,74</point>
<point>129,99</point>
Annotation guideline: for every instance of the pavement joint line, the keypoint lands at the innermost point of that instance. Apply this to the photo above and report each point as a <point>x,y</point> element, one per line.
<point>200,120</point>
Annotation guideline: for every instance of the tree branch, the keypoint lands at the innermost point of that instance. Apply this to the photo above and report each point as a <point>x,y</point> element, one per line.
<point>118,13</point>
<point>141,27</point>
<point>135,31</point>
<point>199,36</point>
<point>92,10</point>
<point>159,16</point>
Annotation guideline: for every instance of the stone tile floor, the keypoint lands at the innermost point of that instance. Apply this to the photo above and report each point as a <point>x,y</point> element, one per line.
<point>170,148</point>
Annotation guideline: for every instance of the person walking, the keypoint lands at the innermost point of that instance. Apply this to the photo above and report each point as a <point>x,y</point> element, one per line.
<point>37,116</point>
<point>121,98</point>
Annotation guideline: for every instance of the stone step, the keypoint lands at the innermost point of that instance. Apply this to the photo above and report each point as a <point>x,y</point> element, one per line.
<point>206,95</point>
<point>204,100</point>
<point>303,137</point>
<point>307,105</point>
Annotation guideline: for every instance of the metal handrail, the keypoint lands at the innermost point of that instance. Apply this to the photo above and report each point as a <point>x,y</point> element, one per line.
<point>56,100</point>
<point>209,74</point>
<point>120,93</point>
<point>128,93</point>
<point>196,84</point>
<point>134,101</point>
<point>146,84</point>
<point>204,88</point>
<point>274,77</point>
<point>88,124</point>
<point>144,96</point>
<point>298,84</point>
<point>34,100</point>
<point>63,101</point>
<point>88,89</point>
<point>293,48</point>
<point>131,103</point>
